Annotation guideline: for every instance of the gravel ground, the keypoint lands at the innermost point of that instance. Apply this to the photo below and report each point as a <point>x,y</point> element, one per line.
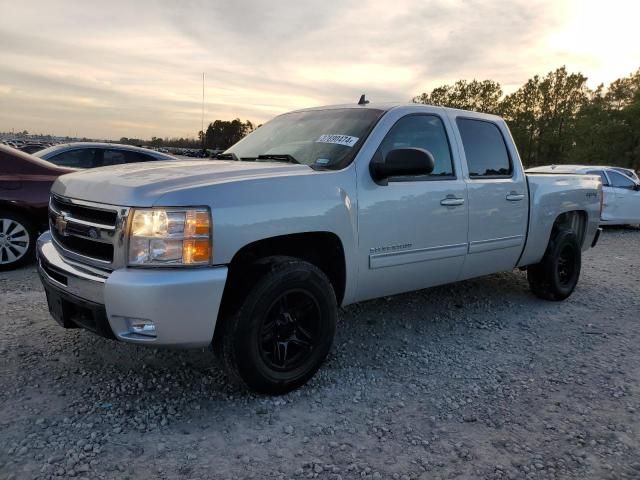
<point>476,380</point>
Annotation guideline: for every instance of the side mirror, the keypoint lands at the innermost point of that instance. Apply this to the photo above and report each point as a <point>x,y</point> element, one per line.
<point>402,162</point>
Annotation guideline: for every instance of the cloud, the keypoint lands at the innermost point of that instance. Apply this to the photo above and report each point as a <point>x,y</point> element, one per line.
<point>111,69</point>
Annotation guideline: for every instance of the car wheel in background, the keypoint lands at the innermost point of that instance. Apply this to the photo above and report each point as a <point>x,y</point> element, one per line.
<point>283,330</point>
<point>17,240</point>
<point>556,276</point>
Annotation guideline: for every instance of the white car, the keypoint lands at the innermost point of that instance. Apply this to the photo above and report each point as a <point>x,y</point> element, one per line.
<point>628,172</point>
<point>621,193</point>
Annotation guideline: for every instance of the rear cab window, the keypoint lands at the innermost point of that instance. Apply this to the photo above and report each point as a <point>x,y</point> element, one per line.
<point>485,149</point>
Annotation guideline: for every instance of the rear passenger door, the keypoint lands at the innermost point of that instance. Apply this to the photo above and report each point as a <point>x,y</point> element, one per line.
<point>498,196</point>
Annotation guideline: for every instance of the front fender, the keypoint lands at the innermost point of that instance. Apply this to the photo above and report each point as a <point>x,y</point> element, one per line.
<point>250,210</point>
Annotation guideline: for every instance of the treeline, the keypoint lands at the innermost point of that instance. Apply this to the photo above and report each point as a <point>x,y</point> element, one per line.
<point>557,118</point>
<point>219,135</point>
<point>163,142</point>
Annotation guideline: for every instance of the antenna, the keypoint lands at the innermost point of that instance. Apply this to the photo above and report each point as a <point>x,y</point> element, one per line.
<point>362,101</point>
<point>202,122</point>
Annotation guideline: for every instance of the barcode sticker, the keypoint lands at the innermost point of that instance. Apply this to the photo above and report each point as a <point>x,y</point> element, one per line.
<point>346,140</point>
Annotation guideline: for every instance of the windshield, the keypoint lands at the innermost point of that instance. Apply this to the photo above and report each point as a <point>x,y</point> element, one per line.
<point>318,138</point>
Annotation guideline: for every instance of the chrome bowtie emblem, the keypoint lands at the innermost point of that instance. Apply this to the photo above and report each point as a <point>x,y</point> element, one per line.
<point>61,225</point>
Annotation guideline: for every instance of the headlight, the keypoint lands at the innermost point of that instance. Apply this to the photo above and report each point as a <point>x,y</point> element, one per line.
<point>170,236</point>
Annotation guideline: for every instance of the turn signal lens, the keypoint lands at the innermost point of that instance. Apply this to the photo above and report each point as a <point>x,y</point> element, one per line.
<point>196,251</point>
<point>197,223</point>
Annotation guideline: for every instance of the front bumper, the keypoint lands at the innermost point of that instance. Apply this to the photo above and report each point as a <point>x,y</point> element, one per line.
<point>181,304</point>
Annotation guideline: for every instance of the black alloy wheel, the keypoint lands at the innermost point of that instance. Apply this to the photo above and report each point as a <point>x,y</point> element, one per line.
<point>289,332</point>
<point>557,274</point>
<point>278,336</point>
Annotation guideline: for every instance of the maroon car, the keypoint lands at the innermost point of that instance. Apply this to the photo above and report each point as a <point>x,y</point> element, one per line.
<point>25,182</point>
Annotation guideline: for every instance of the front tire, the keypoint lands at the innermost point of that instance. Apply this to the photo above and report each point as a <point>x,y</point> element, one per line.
<point>17,240</point>
<point>283,329</point>
<point>557,274</point>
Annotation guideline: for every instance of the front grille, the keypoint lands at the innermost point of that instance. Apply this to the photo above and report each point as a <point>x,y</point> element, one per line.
<point>81,212</point>
<point>86,232</point>
<point>86,248</point>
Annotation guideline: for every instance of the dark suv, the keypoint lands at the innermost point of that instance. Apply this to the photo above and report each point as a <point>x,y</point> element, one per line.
<point>25,183</point>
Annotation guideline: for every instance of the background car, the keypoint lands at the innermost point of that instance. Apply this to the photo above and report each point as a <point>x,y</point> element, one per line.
<point>621,203</point>
<point>31,147</point>
<point>94,154</point>
<point>25,183</point>
<point>628,172</point>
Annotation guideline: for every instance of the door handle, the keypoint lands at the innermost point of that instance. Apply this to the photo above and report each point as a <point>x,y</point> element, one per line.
<point>515,197</point>
<point>451,201</point>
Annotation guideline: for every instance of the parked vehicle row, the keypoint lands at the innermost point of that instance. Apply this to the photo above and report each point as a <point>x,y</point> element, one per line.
<point>26,147</point>
<point>25,184</point>
<point>317,209</point>
<point>25,188</point>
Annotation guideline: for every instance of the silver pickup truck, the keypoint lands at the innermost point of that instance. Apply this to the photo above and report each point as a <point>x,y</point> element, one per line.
<point>253,253</point>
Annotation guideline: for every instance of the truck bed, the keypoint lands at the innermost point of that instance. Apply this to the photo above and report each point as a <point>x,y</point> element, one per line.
<point>552,194</point>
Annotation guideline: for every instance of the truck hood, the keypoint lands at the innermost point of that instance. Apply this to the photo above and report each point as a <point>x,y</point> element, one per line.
<point>141,184</point>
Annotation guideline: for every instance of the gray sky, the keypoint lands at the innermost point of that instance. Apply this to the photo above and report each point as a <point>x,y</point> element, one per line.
<point>107,69</point>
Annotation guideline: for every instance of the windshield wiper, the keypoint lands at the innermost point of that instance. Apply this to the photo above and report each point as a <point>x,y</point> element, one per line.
<point>285,157</point>
<point>233,156</point>
<point>227,156</point>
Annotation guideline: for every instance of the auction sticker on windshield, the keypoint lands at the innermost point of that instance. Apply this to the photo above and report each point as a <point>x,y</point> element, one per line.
<point>346,140</point>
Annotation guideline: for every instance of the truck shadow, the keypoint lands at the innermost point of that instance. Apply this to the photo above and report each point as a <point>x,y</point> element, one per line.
<point>390,327</point>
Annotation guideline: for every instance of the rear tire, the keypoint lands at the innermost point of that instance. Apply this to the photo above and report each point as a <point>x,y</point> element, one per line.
<point>283,329</point>
<point>557,274</point>
<point>17,240</point>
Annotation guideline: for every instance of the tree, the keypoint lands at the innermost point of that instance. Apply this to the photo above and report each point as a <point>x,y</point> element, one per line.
<point>479,96</point>
<point>221,134</point>
<point>542,114</point>
<point>608,126</point>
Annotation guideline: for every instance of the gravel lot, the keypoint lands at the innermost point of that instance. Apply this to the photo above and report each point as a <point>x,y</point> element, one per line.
<point>476,380</point>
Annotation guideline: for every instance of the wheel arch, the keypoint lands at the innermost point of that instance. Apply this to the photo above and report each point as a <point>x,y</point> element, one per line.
<point>322,249</point>
<point>541,232</point>
<point>574,220</point>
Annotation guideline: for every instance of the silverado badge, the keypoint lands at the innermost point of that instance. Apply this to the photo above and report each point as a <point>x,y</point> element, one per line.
<point>61,224</point>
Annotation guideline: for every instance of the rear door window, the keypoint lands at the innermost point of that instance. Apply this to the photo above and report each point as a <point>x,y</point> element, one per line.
<point>134,157</point>
<point>79,158</point>
<point>113,157</point>
<point>485,149</point>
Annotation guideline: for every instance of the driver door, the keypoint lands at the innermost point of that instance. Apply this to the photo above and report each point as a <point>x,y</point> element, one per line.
<point>412,230</point>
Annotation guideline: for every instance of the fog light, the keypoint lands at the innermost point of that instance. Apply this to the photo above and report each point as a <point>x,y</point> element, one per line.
<point>142,327</point>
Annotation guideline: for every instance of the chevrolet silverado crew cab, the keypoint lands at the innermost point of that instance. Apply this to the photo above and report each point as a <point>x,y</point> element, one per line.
<point>318,208</point>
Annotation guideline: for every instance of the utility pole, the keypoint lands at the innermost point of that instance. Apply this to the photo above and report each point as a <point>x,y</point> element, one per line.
<point>202,121</point>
